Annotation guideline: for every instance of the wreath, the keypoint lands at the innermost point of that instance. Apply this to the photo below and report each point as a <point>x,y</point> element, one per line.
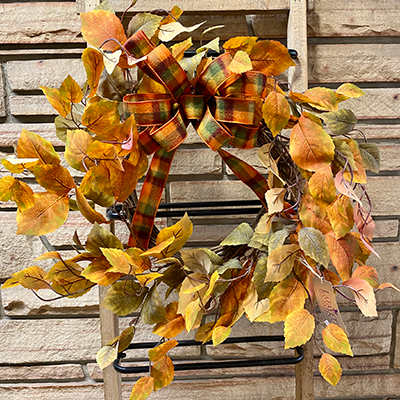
<point>138,100</point>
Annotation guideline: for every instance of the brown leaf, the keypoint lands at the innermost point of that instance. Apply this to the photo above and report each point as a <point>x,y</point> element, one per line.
<point>31,278</point>
<point>175,322</point>
<point>161,350</point>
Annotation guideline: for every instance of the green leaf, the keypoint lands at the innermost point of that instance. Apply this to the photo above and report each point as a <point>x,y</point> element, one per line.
<point>278,238</point>
<point>147,22</point>
<point>340,121</point>
<point>371,156</point>
<point>344,149</point>
<point>153,310</point>
<point>100,237</point>
<point>260,241</point>
<point>233,263</point>
<point>125,338</point>
<point>314,244</point>
<point>197,260</point>
<point>263,288</point>
<point>106,6</point>
<point>123,299</point>
<point>240,235</point>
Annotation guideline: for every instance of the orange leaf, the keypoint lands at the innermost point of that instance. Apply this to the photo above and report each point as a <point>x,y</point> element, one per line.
<point>330,369</point>
<point>163,372</point>
<point>123,182</point>
<point>31,145</point>
<point>240,43</point>
<point>102,151</point>
<point>23,195</point>
<point>364,296</point>
<point>299,327</point>
<point>94,66</point>
<point>54,178</point>
<point>160,351</point>
<point>335,338</point>
<point>142,388</point>
<point>175,322</point>
<point>270,57</point>
<point>56,100</point>
<point>343,253</point>
<point>359,176</point>
<point>340,214</point>
<point>97,272</point>
<point>100,115</point>
<point>311,147</point>
<point>70,91</point>
<point>286,297</point>
<point>388,285</point>
<point>367,273</point>
<point>88,212</point>
<point>276,112</point>
<point>241,63</point>
<point>48,214</point>
<point>31,278</point>
<point>322,98</point>
<point>99,26</point>
<point>322,185</point>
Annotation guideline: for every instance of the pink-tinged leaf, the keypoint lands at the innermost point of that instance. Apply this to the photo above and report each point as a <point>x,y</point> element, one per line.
<point>388,285</point>
<point>364,296</point>
<point>365,223</point>
<point>367,273</point>
<point>344,187</point>
<point>330,369</point>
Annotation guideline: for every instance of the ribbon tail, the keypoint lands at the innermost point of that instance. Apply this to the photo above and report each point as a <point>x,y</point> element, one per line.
<point>247,174</point>
<point>150,197</point>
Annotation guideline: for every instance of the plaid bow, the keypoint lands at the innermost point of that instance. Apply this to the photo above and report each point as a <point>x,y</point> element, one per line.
<point>224,107</point>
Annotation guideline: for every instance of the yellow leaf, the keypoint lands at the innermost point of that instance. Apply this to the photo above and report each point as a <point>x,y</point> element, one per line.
<point>204,333</point>
<point>241,63</point>
<point>56,100</point>
<point>161,350</point>
<point>70,91</point>
<point>88,212</point>
<point>240,43</point>
<point>219,334</point>
<point>6,185</point>
<point>211,285</point>
<point>142,388</point>
<point>100,115</point>
<point>147,278</point>
<point>9,283</point>
<point>276,112</point>
<point>178,49</point>
<point>161,249</point>
<point>192,310</point>
<point>340,214</point>
<point>97,272</point>
<point>106,355</point>
<point>30,278</point>
<point>330,369</point>
<point>181,232</point>
<point>335,338</point>
<point>349,90</point>
<point>322,98</point>
<point>270,57</point>
<point>311,147</point>
<point>175,322</point>
<point>163,372</point>
<point>194,288</point>
<point>48,214</point>
<point>359,175</point>
<point>23,195</point>
<point>287,296</point>
<point>93,62</point>
<point>299,327</point>
<point>78,141</point>
<point>31,145</point>
<point>125,338</point>
<point>280,262</point>
<point>119,260</point>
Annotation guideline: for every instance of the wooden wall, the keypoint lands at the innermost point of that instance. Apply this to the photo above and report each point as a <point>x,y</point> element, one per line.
<point>47,350</point>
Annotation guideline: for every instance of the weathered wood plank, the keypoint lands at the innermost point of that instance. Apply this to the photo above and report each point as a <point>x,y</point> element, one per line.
<point>45,22</point>
<point>354,62</point>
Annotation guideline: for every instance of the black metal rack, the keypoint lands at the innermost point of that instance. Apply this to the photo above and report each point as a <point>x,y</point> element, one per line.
<point>245,363</point>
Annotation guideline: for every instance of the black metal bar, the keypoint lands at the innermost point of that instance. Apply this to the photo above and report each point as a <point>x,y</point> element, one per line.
<point>203,204</point>
<point>190,53</point>
<point>255,362</point>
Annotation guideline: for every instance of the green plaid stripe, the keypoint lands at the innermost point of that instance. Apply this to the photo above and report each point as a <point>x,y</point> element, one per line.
<point>252,83</point>
<point>150,196</point>
<point>215,75</point>
<point>247,174</point>
<point>234,110</point>
<point>168,70</point>
<point>172,134</point>
<point>146,142</point>
<point>214,134</point>
<point>193,105</point>
<point>139,44</point>
<point>244,137</point>
<point>149,109</point>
